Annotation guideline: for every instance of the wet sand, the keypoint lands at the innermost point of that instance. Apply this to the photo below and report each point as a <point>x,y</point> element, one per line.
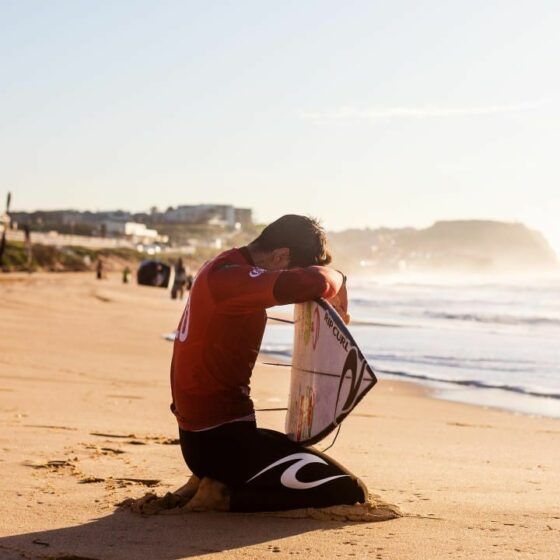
<point>85,424</point>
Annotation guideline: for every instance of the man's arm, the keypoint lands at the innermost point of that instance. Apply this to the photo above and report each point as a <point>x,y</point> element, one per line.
<point>243,286</point>
<point>303,284</point>
<point>239,287</point>
<point>340,302</point>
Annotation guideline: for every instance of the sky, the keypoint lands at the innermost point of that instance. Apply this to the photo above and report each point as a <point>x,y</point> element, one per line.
<point>362,113</point>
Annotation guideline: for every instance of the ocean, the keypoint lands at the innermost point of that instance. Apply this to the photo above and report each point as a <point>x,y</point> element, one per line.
<point>490,343</point>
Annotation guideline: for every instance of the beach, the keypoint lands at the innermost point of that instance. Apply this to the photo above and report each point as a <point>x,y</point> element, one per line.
<point>84,409</point>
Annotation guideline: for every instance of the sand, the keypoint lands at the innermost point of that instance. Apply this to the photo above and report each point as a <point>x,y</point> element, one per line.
<point>85,424</point>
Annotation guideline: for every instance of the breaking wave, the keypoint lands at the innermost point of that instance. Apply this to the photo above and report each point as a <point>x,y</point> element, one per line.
<point>483,364</point>
<point>277,350</point>
<point>495,319</point>
<point>471,383</point>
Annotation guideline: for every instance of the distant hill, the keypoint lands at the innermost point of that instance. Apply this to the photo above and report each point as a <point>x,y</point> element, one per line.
<point>447,246</point>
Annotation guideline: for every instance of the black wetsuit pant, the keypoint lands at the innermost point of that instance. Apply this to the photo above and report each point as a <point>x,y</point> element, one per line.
<point>266,471</point>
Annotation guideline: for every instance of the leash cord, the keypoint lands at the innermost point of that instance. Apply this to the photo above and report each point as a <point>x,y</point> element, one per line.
<point>334,440</point>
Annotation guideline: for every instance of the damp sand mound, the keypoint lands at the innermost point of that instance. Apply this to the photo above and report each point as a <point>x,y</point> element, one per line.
<point>373,510</point>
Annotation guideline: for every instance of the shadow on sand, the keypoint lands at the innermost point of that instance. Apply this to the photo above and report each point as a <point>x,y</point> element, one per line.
<point>125,536</point>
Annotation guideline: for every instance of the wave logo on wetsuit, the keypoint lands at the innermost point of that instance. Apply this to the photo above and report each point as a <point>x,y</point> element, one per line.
<point>289,476</point>
<point>256,271</point>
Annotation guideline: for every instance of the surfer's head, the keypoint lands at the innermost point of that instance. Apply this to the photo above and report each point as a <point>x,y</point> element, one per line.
<point>292,241</point>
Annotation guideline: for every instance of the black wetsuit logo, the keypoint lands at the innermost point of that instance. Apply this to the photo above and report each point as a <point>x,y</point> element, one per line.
<point>289,476</point>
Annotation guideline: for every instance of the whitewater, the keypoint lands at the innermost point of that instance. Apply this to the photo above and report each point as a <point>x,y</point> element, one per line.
<point>490,343</point>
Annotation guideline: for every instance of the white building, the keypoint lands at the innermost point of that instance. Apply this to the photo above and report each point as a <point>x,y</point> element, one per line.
<point>223,215</point>
<point>134,231</point>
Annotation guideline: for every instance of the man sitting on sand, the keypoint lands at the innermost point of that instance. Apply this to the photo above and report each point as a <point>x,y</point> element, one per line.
<point>237,466</point>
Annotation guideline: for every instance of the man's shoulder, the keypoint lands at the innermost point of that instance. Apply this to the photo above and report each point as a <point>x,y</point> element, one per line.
<point>227,259</point>
<point>210,272</point>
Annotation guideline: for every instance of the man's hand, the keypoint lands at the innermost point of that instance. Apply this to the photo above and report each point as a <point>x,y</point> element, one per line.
<point>340,303</point>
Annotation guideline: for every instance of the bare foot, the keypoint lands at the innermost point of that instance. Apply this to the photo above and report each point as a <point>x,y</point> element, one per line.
<point>210,496</point>
<point>151,504</point>
<point>188,490</point>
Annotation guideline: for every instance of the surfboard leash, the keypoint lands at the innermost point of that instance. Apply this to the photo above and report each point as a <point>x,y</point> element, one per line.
<point>284,409</point>
<point>280,320</point>
<point>334,440</point>
<point>269,409</point>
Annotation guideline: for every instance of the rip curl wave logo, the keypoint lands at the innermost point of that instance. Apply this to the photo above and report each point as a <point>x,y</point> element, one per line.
<point>256,271</point>
<point>351,365</point>
<point>289,476</point>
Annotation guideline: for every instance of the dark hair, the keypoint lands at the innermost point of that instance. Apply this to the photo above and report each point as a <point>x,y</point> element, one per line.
<point>303,236</point>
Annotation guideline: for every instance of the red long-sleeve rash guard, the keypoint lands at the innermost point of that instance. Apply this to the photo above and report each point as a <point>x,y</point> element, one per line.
<point>220,333</point>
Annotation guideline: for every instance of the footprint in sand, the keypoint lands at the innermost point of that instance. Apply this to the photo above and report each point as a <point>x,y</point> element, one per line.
<point>96,451</point>
<point>139,440</point>
<point>464,425</point>
<point>101,297</point>
<point>49,427</point>
<point>53,465</point>
<point>62,466</point>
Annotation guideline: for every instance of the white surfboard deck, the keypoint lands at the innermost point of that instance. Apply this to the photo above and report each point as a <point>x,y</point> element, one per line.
<point>329,373</point>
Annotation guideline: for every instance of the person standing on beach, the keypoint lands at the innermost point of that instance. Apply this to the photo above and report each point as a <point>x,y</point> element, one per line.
<point>125,275</point>
<point>237,466</point>
<point>28,247</point>
<point>180,281</point>
<point>99,269</point>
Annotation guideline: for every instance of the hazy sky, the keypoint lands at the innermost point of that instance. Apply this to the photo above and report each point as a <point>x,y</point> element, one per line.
<point>363,113</point>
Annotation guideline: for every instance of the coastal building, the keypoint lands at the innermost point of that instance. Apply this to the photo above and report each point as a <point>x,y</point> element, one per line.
<point>136,232</point>
<point>244,216</point>
<point>223,215</point>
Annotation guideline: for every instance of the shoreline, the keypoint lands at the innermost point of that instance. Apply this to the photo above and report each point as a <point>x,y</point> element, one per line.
<point>474,390</point>
<point>449,391</point>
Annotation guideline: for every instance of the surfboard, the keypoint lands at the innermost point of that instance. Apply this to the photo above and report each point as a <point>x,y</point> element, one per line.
<point>329,374</point>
